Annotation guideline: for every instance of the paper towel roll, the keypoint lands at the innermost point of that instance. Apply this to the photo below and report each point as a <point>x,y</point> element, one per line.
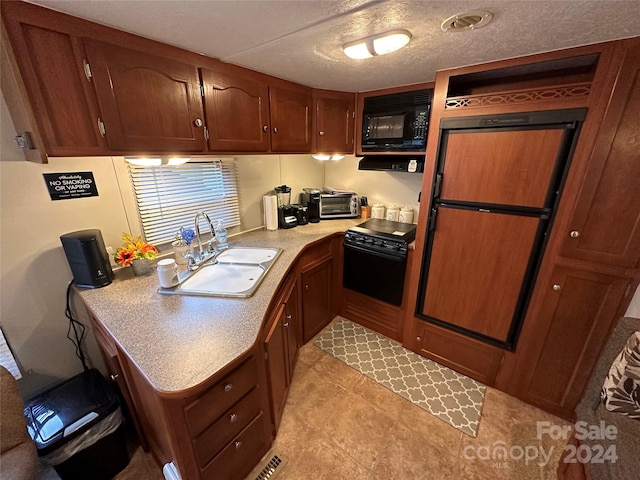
<point>270,205</point>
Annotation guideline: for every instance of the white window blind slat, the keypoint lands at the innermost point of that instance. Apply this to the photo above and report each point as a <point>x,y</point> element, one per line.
<point>169,197</point>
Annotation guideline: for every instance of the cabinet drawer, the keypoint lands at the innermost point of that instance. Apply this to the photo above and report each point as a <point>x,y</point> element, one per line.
<point>240,455</point>
<point>208,407</point>
<point>214,438</point>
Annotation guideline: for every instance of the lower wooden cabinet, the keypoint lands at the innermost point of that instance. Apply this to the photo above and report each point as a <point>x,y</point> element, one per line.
<point>577,313</point>
<point>281,350</point>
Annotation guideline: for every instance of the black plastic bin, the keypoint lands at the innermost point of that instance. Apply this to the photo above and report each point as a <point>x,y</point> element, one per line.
<point>76,427</point>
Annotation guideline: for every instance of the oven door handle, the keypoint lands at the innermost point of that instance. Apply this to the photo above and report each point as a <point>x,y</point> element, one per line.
<point>388,256</point>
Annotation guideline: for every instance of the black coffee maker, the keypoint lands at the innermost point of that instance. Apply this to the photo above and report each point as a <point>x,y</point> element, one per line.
<point>286,215</point>
<point>311,199</point>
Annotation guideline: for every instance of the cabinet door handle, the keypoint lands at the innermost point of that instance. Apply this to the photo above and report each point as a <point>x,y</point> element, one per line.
<point>275,129</point>
<point>574,234</point>
<point>556,287</point>
<point>237,444</point>
<point>233,417</point>
<point>197,122</point>
<point>285,324</point>
<point>306,287</point>
<point>228,387</point>
<point>265,128</point>
<point>321,133</point>
<point>114,377</point>
<point>418,339</point>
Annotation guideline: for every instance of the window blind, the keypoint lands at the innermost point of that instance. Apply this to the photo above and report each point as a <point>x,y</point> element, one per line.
<point>169,197</point>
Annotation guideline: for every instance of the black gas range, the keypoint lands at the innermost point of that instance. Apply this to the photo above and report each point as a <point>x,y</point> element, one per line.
<point>383,236</point>
<point>375,258</point>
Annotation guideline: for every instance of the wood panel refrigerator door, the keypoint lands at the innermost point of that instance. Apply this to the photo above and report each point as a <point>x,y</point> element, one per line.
<point>478,271</point>
<point>508,167</point>
<point>237,109</point>
<point>148,103</point>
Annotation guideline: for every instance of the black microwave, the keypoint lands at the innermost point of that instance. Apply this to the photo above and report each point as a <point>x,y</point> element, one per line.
<point>396,122</point>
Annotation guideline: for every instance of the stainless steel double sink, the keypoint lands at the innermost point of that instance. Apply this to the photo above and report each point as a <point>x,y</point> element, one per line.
<point>236,272</point>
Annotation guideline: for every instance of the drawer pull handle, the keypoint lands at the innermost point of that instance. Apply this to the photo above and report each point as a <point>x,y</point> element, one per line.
<point>265,128</point>
<point>228,387</point>
<point>557,287</point>
<point>237,444</point>
<point>233,417</point>
<point>574,234</point>
<point>285,325</point>
<point>115,377</point>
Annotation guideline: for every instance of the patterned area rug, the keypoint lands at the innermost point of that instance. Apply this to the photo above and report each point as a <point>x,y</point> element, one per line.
<point>451,397</point>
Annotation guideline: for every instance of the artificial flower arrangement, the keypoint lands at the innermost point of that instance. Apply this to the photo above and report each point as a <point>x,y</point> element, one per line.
<point>134,248</point>
<point>184,237</point>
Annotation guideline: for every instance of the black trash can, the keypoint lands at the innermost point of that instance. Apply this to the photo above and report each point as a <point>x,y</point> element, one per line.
<point>76,427</point>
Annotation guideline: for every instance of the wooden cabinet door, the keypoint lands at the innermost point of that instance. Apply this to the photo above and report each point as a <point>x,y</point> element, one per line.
<point>479,272</point>
<point>577,313</point>
<point>605,227</point>
<point>148,103</point>
<point>290,119</point>
<point>334,125</point>
<point>316,298</point>
<point>291,323</point>
<point>50,63</point>
<point>277,364</point>
<point>237,110</point>
<point>507,167</point>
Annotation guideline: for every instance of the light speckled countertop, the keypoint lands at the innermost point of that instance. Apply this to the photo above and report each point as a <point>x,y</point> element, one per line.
<point>180,341</point>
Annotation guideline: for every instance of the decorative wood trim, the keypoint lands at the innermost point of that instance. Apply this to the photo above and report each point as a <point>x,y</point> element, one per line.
<point>520,96</point>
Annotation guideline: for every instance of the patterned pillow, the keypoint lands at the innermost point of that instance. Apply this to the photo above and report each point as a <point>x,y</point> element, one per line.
<point>621,389</point>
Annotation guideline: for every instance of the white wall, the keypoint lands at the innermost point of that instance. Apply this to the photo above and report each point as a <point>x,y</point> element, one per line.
<point>34,272</point>
<point>400,188</point>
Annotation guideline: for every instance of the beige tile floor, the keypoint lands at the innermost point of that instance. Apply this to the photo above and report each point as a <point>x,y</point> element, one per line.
<point>339,424</point>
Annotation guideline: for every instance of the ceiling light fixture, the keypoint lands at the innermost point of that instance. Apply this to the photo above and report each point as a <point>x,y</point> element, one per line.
<point>156,161</point>
<point>323,157</point>
<point>379,44</point>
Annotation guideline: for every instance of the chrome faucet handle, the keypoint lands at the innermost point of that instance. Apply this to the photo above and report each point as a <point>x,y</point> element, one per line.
<point>211,249</point>
<point>191,261</point>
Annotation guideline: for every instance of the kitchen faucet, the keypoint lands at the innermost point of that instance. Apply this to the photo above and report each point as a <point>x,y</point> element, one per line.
<point>201,254</point>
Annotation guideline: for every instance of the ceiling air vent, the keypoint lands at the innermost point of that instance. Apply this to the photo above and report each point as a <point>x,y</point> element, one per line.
<point>466,21</point>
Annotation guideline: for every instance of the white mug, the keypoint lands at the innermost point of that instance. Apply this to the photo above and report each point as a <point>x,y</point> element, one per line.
<point>168,273</point>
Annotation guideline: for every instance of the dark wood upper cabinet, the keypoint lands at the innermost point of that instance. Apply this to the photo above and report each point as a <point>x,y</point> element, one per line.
<point>237,110</point>
<point>290,108</point>
<point>605,226</point>
<point>149,103</point>
<point>333,125</point>
<point>59,97</point>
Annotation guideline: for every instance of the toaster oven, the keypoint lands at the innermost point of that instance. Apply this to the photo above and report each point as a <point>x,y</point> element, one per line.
<point>339,205</point>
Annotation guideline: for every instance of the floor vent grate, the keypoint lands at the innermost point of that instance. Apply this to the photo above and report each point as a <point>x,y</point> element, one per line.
<point>272,467</point>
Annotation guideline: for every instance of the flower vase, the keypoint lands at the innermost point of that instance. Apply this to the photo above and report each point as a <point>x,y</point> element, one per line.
<point>141,267</point>
<point>180,252</point>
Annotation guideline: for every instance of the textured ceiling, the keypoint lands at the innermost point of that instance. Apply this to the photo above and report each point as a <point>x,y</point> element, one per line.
<point>300,40</point>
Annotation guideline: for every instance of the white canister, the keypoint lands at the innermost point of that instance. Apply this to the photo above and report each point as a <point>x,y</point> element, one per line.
<point>168,273</point>
<point>393,213</point>
<point>406,215</point>
<point>377,211</point>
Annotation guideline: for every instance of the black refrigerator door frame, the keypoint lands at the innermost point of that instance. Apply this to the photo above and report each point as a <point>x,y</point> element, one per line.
<point>571,121</point>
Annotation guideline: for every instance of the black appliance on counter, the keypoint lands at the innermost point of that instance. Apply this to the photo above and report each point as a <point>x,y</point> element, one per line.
<point>301,213</point>
<point>88,258</point>
<point>375,258</point>
<point>311,199</point>
<point>286,214</point>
